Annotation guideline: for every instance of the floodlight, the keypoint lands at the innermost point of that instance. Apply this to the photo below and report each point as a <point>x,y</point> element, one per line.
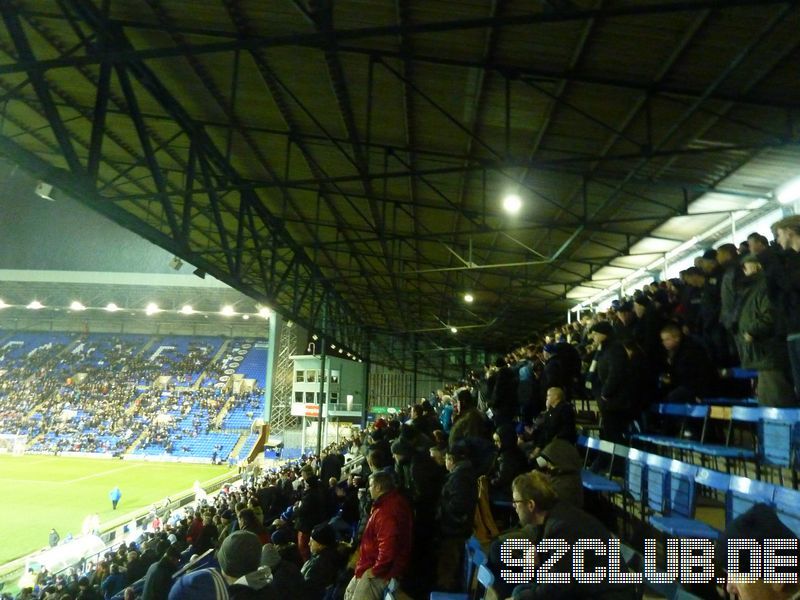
<point>453,330</point>
<point>512,204</point>
<point>245,317</point>
<point>186,309</point>
<point>151,309</point>
<point>227,310</point>
<point>469,298</point>
<point>77,306</point>
<point>3,304</point>
<point>44,190</point>
<point>111,307</point>
<point>35,305</point>
<point>789,192</point>
<point>266,313</point>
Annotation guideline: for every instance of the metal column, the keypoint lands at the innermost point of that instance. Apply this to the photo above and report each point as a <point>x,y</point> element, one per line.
<point>272,358</point>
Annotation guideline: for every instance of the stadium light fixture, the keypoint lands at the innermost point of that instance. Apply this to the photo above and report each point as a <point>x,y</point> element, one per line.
<point>111,307</point>
<point>227,311</point>
<point>77,306</point>
<point>469,298</point>
<point>151,309</point>
<point>333,346</point>
<point>341,350</point>
<point>453,330</point>
<point>35,305</point>
<point>265,313</point>
<point>3,304</point>
<point>512,204</point>
<point>186,309</point>
<point>790,192</point>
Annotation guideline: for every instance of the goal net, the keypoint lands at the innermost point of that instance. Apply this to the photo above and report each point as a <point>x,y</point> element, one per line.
<point>12,443</point>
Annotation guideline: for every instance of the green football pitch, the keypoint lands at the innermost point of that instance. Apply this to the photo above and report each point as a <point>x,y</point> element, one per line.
<point>40,492</point>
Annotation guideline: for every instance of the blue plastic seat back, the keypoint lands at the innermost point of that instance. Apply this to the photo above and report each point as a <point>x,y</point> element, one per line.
<point>778,442</point>
<point>713,479</point>
<point>657,488</point>
<point>748,414</point>
<point>682,490</point>
<point>787,505</point>
<point>635,474</point>
<point>695,411</point>
<point>593,443</point>
<point>743,493</point>
<point>606,447</point>
<point>485,579</point>
<point>473,555</point>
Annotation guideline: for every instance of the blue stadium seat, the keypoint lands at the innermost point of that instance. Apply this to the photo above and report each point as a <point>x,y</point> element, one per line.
<point>787,505</point>
<point>780,439</point>
<point>671,492</point>
<point>685,412</point>
<point>593,481</point>
<point>743,493</point>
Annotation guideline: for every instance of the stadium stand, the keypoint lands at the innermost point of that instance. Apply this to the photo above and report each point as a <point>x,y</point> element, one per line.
<point>102,393</point>
<point>689,440</point>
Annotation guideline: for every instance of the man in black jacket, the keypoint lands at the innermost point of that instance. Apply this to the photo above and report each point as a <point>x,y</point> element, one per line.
<point>609,378</point>
<point>320,571</point>
<point>310,512</point>
<point>783,278</point>
<point>557,422</point>
<point>503,399</point>
<point>158,580</point>
<point>455,515</point>
<point>688,372</point>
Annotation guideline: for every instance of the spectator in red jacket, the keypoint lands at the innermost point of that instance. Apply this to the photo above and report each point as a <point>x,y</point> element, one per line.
<point>386,543</point>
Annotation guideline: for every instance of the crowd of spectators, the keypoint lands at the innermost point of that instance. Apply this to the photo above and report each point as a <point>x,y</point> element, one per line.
<point>508,432</point>
<point>112,402</point>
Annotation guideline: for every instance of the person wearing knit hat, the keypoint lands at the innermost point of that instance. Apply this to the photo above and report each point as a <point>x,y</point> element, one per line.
<point>239,554</point>
<point>402,448</point>
<point>603,328</point>
<point>239,559</point>
<point>203,584</point>
<point>759,524</point>
<point>321,570</point>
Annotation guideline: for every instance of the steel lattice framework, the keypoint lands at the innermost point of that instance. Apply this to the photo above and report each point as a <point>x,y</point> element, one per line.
<point>342,162</point>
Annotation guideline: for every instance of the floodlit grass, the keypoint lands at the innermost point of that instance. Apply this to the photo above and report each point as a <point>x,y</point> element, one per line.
<point>40,492</point>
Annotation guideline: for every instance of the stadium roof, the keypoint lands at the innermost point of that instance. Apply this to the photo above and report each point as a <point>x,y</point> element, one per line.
<point>346,162</point>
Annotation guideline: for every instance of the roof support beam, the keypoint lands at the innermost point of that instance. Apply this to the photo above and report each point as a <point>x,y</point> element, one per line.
<point>317,39</point>
<point>24,51</point>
